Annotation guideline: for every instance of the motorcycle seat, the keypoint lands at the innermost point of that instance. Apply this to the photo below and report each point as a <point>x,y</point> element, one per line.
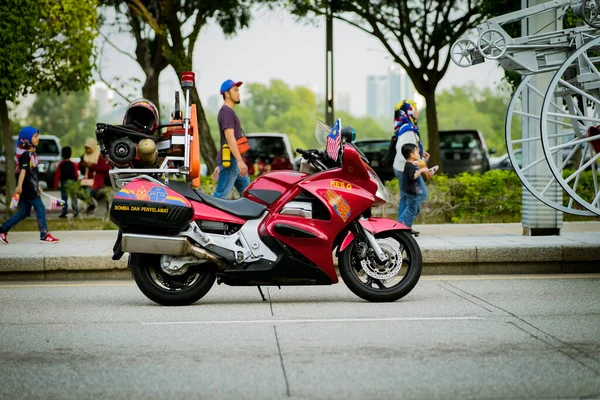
<point>241,207</point>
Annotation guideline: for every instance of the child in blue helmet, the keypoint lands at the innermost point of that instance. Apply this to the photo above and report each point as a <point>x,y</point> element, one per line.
<point>28,186</point>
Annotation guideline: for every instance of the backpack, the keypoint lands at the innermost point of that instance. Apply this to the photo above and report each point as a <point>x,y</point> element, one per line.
<point>390,155</point>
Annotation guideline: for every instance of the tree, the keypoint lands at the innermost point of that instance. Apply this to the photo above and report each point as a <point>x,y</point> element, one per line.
<point>70,116</point>
<point>149,51</point>
<point>469,107</point>
<point>416,34</point>
<point>45,45</point>
<point>169,19</point>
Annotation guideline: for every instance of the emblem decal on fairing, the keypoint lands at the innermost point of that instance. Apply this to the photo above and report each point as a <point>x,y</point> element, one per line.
<point>157,194</point>
<point>339,204</point>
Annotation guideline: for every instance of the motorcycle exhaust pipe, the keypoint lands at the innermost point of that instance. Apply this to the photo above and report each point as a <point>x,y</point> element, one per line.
<point>167,245</point>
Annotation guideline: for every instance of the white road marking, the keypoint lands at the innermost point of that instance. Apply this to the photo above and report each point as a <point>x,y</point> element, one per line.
<point>303,321</point>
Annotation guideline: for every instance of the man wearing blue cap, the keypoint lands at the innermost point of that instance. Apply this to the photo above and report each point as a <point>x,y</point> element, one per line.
<point>230,130</point>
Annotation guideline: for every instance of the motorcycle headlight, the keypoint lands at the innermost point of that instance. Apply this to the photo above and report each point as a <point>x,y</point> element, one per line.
<point>381,196</point>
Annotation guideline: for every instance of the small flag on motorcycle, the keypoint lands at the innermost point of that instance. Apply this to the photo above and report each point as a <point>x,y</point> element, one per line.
<point>334,140</point>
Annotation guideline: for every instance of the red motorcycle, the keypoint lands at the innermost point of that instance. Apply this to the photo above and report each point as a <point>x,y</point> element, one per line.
<point>285,230</point>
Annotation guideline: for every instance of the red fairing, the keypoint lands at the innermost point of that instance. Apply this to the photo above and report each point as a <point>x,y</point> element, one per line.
<point>354,165</point>
<point>318,249</point>
<point>205,212</point>
<point>375,226</point>
<point>346,193</point>
<point>279,181</point>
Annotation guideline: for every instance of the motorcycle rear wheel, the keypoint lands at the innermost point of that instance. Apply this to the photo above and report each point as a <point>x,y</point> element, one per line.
<point>401,279</point>
<point>169,290</point>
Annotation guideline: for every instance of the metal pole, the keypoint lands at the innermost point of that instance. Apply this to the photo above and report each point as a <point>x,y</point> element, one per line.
<point>329,110</point>
<point>186,124</point>
<point>537,218</point>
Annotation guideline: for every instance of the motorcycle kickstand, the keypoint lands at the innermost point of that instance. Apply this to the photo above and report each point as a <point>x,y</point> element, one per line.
<point>261,293</point>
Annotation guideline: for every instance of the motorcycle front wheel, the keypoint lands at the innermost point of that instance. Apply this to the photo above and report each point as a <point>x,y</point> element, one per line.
<point>170,290</point>
<point>374,281</point>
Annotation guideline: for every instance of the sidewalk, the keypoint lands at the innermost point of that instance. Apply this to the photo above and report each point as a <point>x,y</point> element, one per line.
<point>449,249</point>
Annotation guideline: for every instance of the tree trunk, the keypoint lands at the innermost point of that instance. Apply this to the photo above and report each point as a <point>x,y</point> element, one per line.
<point>9,153</point>
<point>150,89</point>
<point>432,128</point>
<point>208,151</point>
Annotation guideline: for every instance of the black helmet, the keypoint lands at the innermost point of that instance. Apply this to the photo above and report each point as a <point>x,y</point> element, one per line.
<point>349,134</point>
<point>143,114</point>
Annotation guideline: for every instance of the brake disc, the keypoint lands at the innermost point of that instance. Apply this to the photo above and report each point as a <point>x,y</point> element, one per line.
<point>391,267</point>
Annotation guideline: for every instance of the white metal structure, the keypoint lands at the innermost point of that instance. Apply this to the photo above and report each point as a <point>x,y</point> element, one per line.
<point>569,109</point>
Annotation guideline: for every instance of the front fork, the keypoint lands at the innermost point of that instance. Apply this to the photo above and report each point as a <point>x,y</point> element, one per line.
<point>358,228</point>
<point>374,245</point>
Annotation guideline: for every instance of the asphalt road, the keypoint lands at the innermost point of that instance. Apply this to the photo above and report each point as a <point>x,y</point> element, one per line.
<point>452,338</point>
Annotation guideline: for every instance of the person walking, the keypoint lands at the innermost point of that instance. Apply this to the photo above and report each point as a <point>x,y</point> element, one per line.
<point>406,130</point>
<point>28,188</point>
<point>231,171</point>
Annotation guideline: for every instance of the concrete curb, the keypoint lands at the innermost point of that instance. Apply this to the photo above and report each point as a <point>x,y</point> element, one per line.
<point>437,260</point>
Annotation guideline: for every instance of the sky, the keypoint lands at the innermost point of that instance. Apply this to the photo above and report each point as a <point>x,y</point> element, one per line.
<point>275,46</point>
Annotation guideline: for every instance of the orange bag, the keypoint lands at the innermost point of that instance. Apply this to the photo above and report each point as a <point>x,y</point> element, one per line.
<point>242,144</point>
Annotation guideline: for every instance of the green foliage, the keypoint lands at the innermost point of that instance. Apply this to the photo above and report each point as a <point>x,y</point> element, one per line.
<point>279,108</point>
<point>469,107</point>
<point>46,45</point>
<point>493,196</point>
<point>71,117</point>
<point>480,196</point>
<point>585,186</point>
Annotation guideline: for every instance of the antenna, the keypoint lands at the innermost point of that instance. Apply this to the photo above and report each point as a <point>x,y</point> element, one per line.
<point>177,114</point>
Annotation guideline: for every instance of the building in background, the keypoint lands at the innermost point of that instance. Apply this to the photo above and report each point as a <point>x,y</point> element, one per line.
<point>384,91</point>
<point>342,101</point>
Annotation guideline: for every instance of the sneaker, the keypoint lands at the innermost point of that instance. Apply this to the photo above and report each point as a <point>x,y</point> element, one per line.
<point>414,233</point>
<point>62,216</point>
<point>49,239</point>
<point>3,238</point>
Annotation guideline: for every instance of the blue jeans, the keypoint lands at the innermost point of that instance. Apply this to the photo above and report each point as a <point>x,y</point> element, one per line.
<point>24,211</point>
<point>407,213</point>
<point>64,195</point>
<point>228,178</point>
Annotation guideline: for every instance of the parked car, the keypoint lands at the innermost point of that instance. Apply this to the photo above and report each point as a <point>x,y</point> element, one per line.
<point>48,151</point>
<point>503,162</point>
<point>268,151</point>
<point>463,151</point>
<point>374,150</point>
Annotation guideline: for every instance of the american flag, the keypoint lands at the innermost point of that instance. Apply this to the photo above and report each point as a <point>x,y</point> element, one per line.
<point>54,202</point>
<point>334,141</point>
